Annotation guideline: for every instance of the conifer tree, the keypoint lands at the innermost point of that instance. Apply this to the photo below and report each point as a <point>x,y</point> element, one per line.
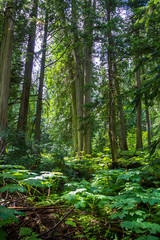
<point>5,65</point>
<point>24,105</point>
<point>41,80</point>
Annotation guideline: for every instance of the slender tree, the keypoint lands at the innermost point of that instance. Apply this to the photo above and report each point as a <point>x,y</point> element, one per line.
<point>139,143</point>
<point>123,132</point>
<point>148,122</point>
<point>77,53</point>
<point>74,115</point>
<point>5,64</point>
<point>41,80</point>
<point>111,96</point>
<point>88,45</point>
<point>136,51</point>
<point>23,113</point>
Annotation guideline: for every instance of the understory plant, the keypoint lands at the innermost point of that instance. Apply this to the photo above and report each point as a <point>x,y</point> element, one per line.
<point>16,179</point>
<point>122,195</point>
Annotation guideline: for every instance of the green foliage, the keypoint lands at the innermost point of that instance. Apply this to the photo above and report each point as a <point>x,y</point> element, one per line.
<point>139,226</point>
<point>148,237</point>
<point>91,226</point>
<point>70,222</point>
<point>85,166</point>
<point>50,180</point>
<point>28,234</point>
<point>16,174</point>
<point>24,181</point>
<point>121,194</point>
<point>13,188</point>
<point>3,234</point>
<point>30,181</point>
<point>129,196</point>
<point>7,216</point>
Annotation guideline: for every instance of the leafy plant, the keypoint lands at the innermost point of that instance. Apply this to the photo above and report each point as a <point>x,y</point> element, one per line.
<point>7,216</point>
<point>28,234</point>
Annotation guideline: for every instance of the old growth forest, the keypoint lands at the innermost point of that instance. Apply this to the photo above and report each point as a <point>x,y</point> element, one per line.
<point>80,119</point>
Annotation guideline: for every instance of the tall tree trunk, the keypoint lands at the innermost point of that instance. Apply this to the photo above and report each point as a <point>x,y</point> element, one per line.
<point>148,123</point>
<point>139,143</point>
<point>41,80</point>
<point>112,116</point>
<point>88,44</point>
<point>87,100</point>
<point>123,132</point>
<point>5,67</point>
<point>79,80</point>
<point>79,100</point>
<point>22,120</point>
<point>74,117</point>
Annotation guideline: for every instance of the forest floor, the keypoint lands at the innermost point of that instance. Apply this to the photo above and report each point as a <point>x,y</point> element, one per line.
<point>113,204</point>
<point>48,222</point>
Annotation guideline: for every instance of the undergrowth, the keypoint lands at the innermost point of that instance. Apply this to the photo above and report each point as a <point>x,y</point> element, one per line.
<point>115,204</point>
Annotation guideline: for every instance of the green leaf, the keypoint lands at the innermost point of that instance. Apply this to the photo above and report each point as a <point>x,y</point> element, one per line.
<point>156,1</point>
<point>28,233</point>
<point>70,222</point>
<point>13,188</point>
<point>138,225</point>
<point>25,231</point>
<point>11,166</point>
<point>8,214</point>
<point>119,214</point>
<point>81,204</point>
<point>148,237</point>
<point>3,234</point>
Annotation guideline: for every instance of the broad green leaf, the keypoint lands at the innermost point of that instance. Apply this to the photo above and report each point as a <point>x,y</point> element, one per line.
<point>70,222</point>
<point>13,188</point>
<point>6,214</point>
<point>25,231</point>
<point>148,237</point>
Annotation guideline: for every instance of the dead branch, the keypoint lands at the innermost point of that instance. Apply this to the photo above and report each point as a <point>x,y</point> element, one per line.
<point>52,229</point>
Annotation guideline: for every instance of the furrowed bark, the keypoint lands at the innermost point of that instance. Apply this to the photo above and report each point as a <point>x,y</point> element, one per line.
<point>5,67</point>
<point>139,143</point>
<point>23,113</point>
<point>111,96</point>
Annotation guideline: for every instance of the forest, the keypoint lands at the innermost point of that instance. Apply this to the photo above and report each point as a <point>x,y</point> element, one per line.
<point>80,119</point>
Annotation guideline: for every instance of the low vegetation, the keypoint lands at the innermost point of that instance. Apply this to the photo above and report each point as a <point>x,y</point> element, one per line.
<point>85,199</point>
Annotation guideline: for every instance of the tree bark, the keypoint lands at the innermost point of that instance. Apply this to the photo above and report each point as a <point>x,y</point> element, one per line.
<point>79,101</point>
<point>123,132</point>
<point>88,44</point>
<point>74,118</point>
<point>41,80</point>
<point>23,113</point>
<point>139,143</point>
<point>148,122</point>
<point>78,81</point>
<point>111,104</point>
<point>5,66</point>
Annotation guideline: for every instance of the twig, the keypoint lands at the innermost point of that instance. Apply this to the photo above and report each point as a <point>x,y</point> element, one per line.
<point>63,236</point>
<point>4,148</point>
<point>52,229</point>
<point>25,209</point>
